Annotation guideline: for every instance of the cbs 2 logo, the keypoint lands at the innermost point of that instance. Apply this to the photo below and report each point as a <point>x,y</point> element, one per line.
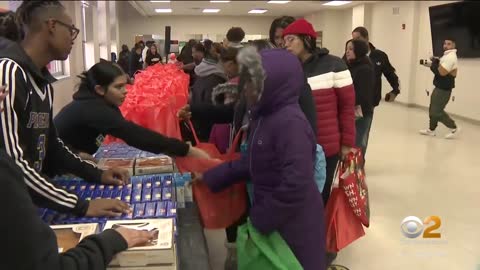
<point>412,227</point>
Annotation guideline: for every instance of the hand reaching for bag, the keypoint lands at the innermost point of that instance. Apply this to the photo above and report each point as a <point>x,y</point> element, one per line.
<point>345,150</point>
<point>197,153</point>
<point>196,177</point>
<point>185,113</point>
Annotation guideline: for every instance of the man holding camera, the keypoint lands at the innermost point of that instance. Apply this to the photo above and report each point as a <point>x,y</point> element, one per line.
<point>445,70</point>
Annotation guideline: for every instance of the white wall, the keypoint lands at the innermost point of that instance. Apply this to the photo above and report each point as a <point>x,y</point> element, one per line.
<point>467,96</point>
<point>386,33</point>
<point>406,47</point>
<point>336,28</point>
<point>65,87</point>
<point>183,26</point>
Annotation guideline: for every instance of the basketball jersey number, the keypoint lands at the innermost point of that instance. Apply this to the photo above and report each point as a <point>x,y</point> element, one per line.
<point>38,165</point>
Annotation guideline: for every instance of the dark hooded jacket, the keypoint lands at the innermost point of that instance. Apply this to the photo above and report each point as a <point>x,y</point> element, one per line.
<point>208,75</point>
<point>382,65</point>
<point>84,123</point>
<point>29,135</point>
<point>280,160</point>
<point>32,244</point>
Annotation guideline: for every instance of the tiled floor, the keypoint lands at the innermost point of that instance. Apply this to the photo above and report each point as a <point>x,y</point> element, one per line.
<point>413,175</point>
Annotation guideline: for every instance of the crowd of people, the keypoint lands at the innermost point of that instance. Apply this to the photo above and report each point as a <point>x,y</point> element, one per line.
<point>284,94</point>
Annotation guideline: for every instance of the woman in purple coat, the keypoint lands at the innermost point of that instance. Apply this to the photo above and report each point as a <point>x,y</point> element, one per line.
<point>280,157</point>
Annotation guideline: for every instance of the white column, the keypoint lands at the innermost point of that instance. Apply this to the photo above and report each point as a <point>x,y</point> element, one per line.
<point>358,16</point>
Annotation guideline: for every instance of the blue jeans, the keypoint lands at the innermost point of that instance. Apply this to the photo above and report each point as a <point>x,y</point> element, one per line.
<point>362,126</point>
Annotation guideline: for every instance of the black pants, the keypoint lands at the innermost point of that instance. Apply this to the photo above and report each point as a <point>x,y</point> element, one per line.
<point>232,230</point>
<point>332,162</point>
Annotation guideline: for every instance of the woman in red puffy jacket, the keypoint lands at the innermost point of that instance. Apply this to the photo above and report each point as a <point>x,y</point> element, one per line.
<point>333,94</point>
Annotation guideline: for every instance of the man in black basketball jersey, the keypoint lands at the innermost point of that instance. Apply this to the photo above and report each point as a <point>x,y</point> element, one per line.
<point>27,132</point>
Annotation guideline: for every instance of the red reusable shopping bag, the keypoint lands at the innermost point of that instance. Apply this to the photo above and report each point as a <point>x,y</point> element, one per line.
<point>222,209</point>
<point>353,182</point>
<point>154,99</point>
<point>343,227</point>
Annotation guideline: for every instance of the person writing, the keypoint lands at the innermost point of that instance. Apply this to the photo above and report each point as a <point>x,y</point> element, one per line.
<point>29,136</point>
<point>94,113</point>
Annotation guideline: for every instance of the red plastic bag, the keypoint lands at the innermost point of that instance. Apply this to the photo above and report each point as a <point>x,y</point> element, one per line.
<point>210,148</point>
<point>222,209</point>
<point>343,227</point>
<point>155,98</point>
<point>353,182</point>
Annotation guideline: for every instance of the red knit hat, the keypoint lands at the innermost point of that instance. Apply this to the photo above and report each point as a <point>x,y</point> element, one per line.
<point>299,27</point>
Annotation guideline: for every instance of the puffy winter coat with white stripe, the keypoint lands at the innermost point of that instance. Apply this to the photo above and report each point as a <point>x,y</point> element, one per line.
<point>334,97</point>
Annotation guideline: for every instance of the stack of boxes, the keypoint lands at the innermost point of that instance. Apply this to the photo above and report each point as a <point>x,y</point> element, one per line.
<point>137,162</point>
<point>150,196</point>
<point>153,198</point>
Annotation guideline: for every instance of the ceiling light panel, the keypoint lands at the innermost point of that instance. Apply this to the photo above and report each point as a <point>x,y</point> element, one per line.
<point>337,3</point>
<point>257,11</point>
<point>163,10</point>
<point>211,10</point>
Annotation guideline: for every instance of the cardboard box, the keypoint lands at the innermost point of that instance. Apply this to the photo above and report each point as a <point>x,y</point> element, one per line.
<point>125,163</point>
<point>68,236</point>
<point>157,194</point>
<point>173,266</point>
<point>153,165</point>
<point>161,210</point>
<point>146,195</point>
<point>159,251</point>
<point>150,267</point>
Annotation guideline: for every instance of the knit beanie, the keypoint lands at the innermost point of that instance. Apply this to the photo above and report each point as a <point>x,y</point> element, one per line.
<point>299,27</point>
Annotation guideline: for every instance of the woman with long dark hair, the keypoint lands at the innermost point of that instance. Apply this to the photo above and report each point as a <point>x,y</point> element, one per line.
<point>94,113</point>
<point>276,30</point>
<point>362,72</point>
<point>153,57</point>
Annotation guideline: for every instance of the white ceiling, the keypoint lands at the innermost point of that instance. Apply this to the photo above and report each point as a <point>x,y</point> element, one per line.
<point>236,8</point>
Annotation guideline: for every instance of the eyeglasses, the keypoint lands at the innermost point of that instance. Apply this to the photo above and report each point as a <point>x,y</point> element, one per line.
<point>73,30</point>
<point>290,39</point>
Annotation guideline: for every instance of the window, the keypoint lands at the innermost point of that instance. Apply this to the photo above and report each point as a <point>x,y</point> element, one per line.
<point>88,43</point>
<point>57,68</point>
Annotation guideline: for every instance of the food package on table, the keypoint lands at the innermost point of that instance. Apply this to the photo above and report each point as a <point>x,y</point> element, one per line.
<point>68,236</point>
<point>153,165</point>
<point>160,250</point>
<point>124,163</point>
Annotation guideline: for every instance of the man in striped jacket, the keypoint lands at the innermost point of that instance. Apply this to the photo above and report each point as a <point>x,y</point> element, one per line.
<point>27,133</point>
<point>332,91</point>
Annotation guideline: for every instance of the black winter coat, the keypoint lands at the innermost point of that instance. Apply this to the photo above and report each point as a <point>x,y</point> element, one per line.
<point>85,122</point>
<point>383,66</point>
<point>31,244</point>
<point>364,82</point>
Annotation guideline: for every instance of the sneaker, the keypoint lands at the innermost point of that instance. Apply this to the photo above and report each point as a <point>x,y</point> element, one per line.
<point>453,133</point>
<point>428,132</point>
